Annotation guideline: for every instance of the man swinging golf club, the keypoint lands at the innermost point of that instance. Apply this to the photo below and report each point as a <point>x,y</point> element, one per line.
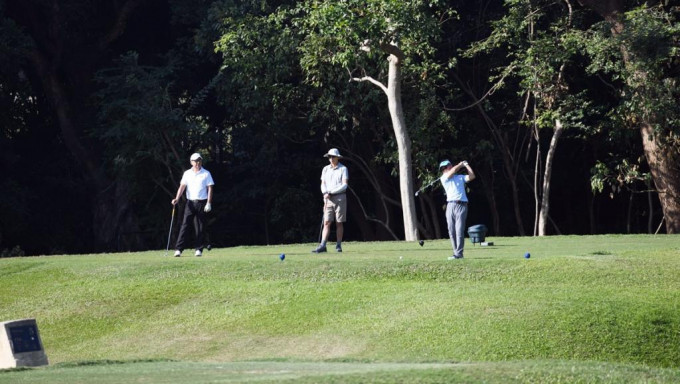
<point>456,202</point>
<point>334,178</point>
<point>198,183</point>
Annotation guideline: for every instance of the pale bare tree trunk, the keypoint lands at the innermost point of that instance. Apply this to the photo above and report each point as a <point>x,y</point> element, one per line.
<point>393,92</point>
<point>537,172</point>
<point>547,174</point>
<point>404,147</point>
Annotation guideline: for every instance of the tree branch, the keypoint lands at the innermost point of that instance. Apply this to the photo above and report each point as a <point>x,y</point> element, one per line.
<point>371,80</point>
<point>369,218</point>
<point>490,92</point>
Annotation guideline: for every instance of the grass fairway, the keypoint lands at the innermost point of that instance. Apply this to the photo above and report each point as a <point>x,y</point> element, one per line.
<point>582,308</point>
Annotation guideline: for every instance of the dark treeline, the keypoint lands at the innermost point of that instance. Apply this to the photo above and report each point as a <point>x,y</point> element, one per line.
<point>567,110</point>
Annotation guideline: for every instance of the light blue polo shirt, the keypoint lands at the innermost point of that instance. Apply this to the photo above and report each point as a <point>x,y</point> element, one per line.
<point>455,187</point>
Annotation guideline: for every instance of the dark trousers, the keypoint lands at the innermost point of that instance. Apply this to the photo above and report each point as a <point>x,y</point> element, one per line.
<point>193,211</point>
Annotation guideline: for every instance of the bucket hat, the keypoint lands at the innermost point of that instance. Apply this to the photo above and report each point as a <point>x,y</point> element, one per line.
<point>333,152</point>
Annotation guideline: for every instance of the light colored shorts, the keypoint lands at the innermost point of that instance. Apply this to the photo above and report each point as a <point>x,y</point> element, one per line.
<point>336,208</point>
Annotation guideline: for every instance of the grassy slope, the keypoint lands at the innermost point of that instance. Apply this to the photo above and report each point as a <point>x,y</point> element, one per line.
<point>595,298</point>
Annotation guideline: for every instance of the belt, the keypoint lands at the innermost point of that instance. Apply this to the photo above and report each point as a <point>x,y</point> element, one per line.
<point>197,200</point>
<point>458,202</point>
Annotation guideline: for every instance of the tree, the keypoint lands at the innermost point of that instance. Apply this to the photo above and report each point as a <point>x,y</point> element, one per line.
<point>68,40</point>
<point>398,32</point>
<point>532,35</point>
<point>638,46</point>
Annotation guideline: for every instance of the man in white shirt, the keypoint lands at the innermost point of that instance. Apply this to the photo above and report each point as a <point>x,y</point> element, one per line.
<point>456,202</point>
<point>334,179</point>
<point>198,184</point>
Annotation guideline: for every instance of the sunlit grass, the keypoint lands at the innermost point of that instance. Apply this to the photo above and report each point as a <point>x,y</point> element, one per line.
<point>609,299</point>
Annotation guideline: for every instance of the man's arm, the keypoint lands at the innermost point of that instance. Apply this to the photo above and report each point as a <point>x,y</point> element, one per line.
<point>463,164</point>
<point>180,191</point>
<point>449,174</point>
<point>471,174</point>
<point>342,187</point>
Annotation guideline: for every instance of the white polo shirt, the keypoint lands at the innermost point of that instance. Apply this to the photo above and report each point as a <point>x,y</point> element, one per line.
<point>197,183</point>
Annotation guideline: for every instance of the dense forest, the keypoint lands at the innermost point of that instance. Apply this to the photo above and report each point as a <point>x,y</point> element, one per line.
<point>567,110</point>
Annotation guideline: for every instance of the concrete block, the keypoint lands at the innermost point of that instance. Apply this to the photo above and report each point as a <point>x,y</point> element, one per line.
<point>20,344</point>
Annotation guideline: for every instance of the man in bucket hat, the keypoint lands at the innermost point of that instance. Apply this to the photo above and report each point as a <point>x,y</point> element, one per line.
<point>456,202</point>
<point>334,178</point>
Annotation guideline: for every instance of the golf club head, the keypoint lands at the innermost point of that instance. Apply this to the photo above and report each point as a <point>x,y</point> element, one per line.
<point>209,247</point>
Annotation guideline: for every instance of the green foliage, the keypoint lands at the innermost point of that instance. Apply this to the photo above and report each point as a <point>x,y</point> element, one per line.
<point>141,125</point>
<point>538,39</point>
<point>258,50</point>
<point>618,176</point>
<point>137,110</point>
<point>354,35</point>
<point>642,61</point>
<point>649,41</point>
<point>275,120</point>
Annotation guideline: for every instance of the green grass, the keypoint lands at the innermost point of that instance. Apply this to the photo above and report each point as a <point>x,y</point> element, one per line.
<point>349,373</point>
<point>582,308</point>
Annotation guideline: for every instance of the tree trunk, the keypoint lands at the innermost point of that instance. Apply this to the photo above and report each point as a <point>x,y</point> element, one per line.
<point>664,164</point>
<point>537,173</point>
<point>408,205</point>
<point>547,174</point>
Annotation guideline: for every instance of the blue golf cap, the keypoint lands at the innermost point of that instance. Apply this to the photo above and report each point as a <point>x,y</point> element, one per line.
<point>444,163</point>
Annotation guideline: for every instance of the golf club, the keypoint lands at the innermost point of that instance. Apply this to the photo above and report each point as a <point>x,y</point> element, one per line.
<point>427,186</point>
<point>172,218</point>
<point>323,216</point>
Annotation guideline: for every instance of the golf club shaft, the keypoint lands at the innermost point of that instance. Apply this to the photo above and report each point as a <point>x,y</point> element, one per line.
<point>172,219</point>
<point>427,186</point>
<point>323,216</point>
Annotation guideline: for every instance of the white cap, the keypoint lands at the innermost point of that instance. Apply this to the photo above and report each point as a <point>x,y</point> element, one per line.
<point>333,152</point>
<point>195,156</point>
